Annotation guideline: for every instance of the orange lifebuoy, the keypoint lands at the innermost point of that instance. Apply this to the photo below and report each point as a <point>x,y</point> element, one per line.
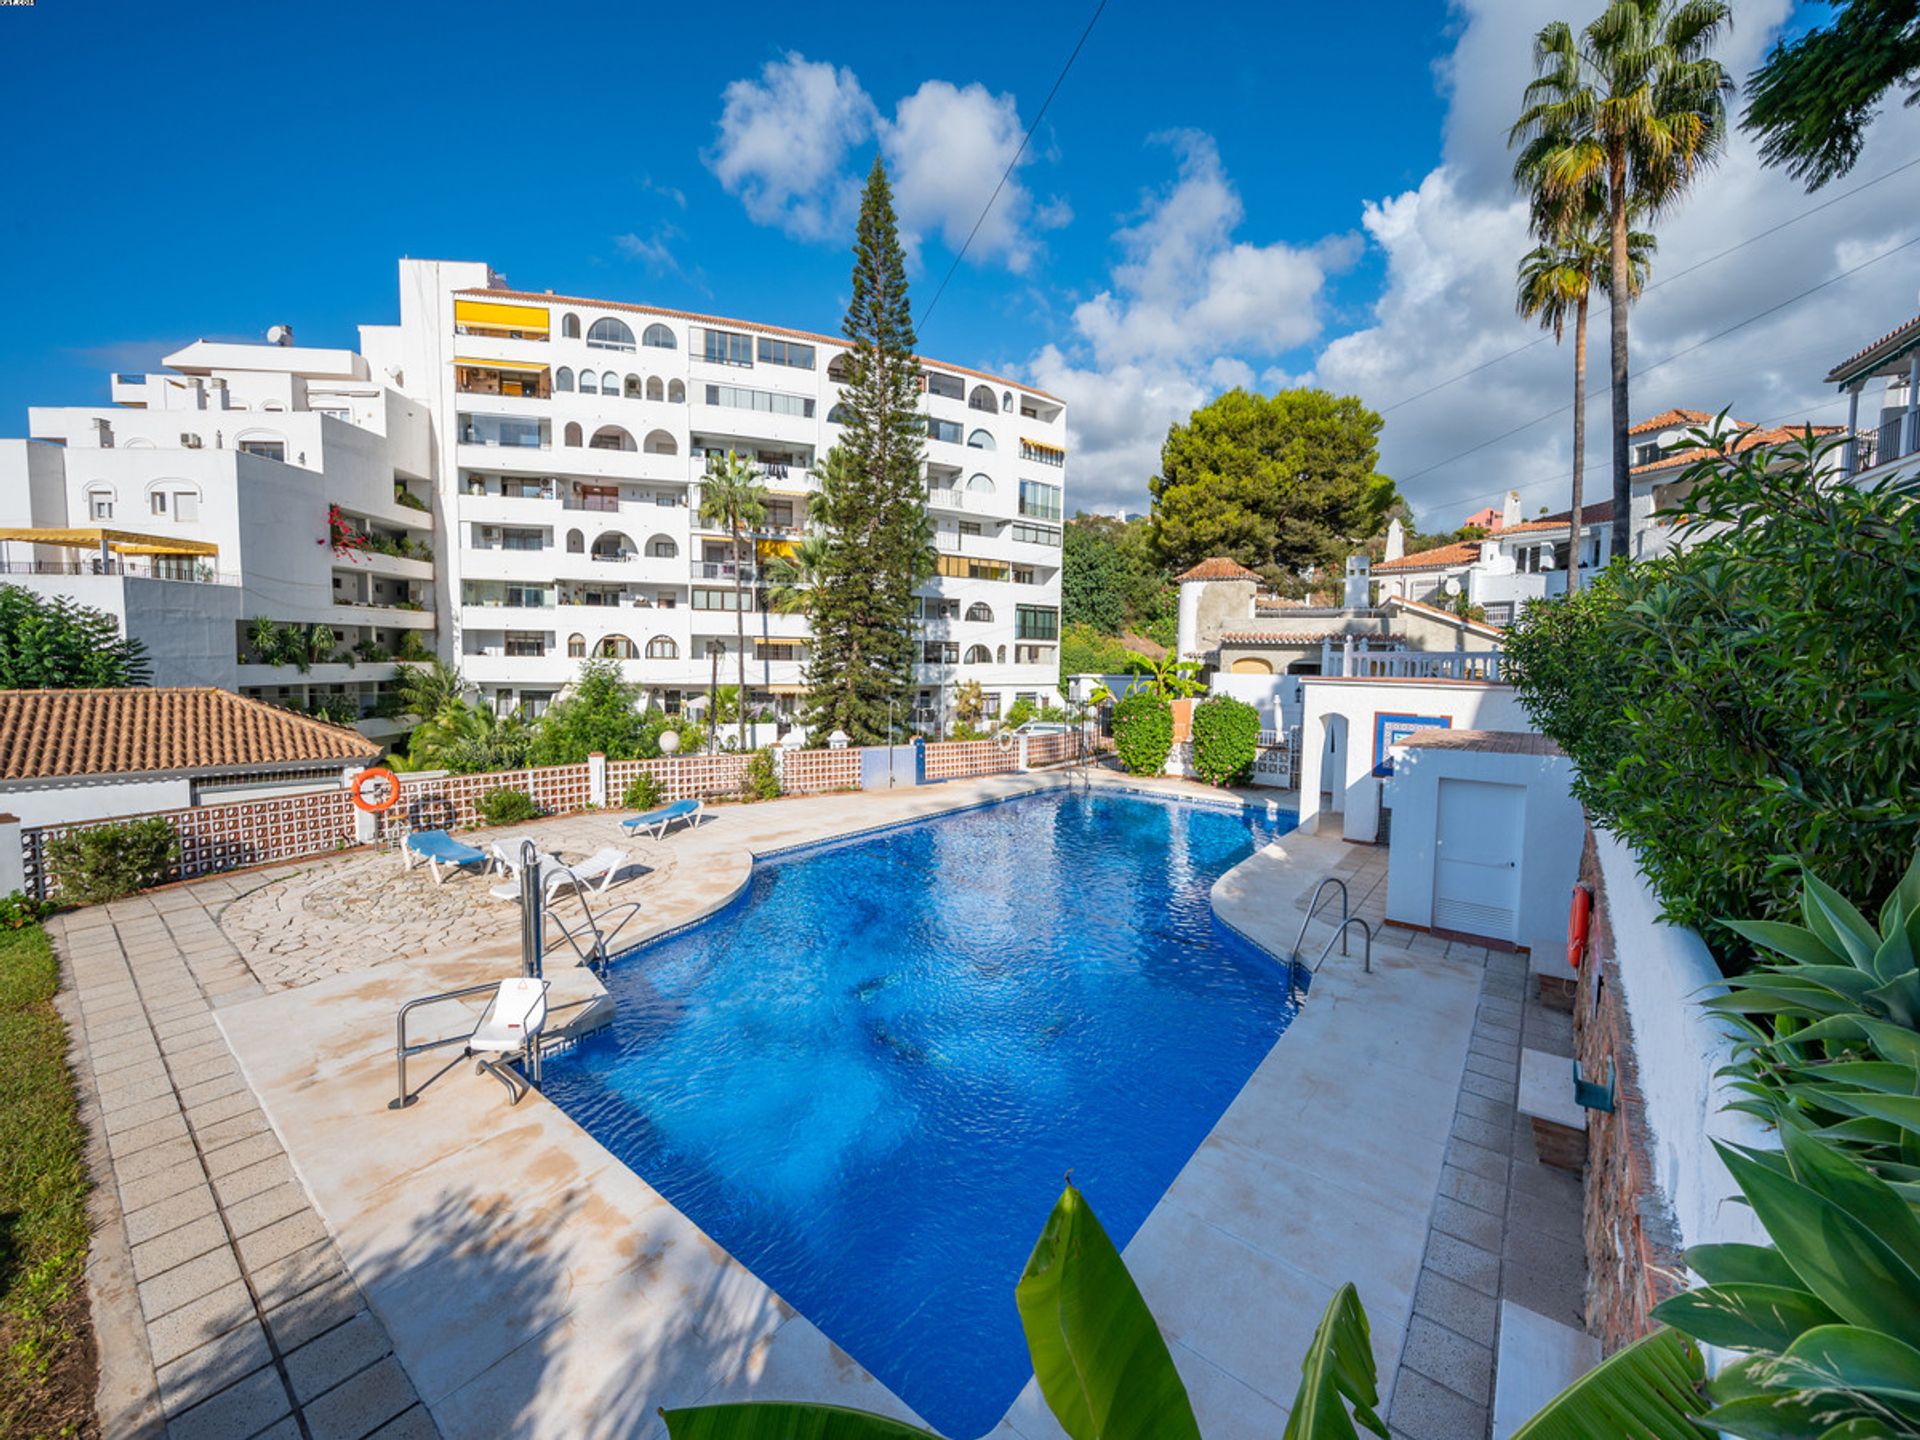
<point>376,807</point>
<point>1579,916</point>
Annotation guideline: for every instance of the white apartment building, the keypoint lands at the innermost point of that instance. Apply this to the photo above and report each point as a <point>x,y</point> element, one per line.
<point>518,476</point>
<point>572,436</point>
<point>1886,438</point>
<point>201,502</point>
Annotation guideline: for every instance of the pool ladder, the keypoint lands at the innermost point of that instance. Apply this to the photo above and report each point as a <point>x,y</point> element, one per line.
<point>1347,920</point>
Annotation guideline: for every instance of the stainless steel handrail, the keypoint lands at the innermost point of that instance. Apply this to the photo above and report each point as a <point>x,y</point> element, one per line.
<point>402,1050</point>
<point>1366,934</point>
<point>1313,907</point>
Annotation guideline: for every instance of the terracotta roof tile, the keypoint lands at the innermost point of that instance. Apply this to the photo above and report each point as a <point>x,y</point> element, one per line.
<point>1894,341</point>
<point>1478,626</point>
<point>47,734</point>
<point>547,298</point>
<point>1671,420</point>
<point>1293,637</point>
<point>1443,557</point>
<point>1217,568</point>
<point>1778,435</point>
<point>1598,514</point>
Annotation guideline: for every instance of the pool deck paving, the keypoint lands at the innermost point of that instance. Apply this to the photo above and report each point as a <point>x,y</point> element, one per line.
<point>280,1254</point>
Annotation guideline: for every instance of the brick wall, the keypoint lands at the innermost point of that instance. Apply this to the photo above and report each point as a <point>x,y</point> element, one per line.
<point>1633,1253</point>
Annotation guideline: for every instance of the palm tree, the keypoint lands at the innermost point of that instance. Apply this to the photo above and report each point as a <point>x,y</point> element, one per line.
<point>1634,104</point>
<point>1561,274</point>
<point>794,574</point>
<point>426,690</point>
<point>733,499</point>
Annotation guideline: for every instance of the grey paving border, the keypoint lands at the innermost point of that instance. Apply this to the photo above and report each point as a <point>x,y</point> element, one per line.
<point>222,1309</point>
<point>1504,1226</point>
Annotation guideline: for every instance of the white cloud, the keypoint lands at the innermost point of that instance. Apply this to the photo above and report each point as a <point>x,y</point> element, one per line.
<point>786,146</point>
<point>654,251</point>
<point>1451,244</point>
<point>783,142</point>
<point>1187,309</point>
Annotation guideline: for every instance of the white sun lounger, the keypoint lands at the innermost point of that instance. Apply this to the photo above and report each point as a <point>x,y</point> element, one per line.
<point>510,1026</point>
<point>593,874</point>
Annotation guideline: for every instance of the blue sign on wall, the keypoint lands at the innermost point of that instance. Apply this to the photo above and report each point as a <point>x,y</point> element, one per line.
<point>1390,727</point>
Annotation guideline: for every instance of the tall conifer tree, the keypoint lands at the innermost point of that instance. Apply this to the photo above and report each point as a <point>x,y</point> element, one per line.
<point>872,502</point>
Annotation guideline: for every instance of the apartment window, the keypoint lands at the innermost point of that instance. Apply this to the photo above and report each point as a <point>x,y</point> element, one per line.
<point>932,609</point>
<point>725,347</point>
<point>786,352</point>
<point>779,514</point>
<point>265,449</point>
<point>718,599</point>
<point>1034,655</point>
<point>658,337</point>
<point>157,503</point>
<point>99,505</point>
<point>523,540</point>
<point>1025,575</point>
<point>948,387</point>
<point>767,401</point>
<point>530,596</point>
<point>609,334</point>
<point>940,652</point>
<point>1034,622</point>
<point>776,650</point>
<point>980,613</point>
<point>1042,502</point>
<point>945,430</point>
<point>1043,454</point>
<point>1035,534</point>
<point>966,567</point>
<point>662,647</point>
<point>526,643</point>
<point>570,327</point>
<point>186,506</point>
<point>969,527</point>
<point>576,647</point>
<point>980,440</point>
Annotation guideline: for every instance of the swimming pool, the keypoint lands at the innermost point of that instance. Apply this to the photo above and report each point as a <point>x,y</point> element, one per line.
<point>867,1076</point>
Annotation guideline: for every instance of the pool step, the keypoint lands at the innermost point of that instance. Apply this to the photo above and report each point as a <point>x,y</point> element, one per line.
<point>1537,1359</point>
<point>577,1004</point>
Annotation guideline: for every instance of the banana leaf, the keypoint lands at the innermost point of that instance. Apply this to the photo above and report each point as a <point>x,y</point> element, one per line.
<point>783,1421</point>
<point>1336,1372</point>
<point>1097,1353</point>
<point>1648,1390</point>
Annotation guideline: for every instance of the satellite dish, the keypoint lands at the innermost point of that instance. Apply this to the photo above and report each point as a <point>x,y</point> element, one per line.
<point>280,335</point>
<point>1452,586</point>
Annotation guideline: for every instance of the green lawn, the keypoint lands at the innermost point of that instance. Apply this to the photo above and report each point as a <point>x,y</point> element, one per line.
<point>46,1373</point>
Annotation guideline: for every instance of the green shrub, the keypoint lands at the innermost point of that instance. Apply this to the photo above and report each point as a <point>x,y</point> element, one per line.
<point>507,807</point>
<point>1747,705</point>
<point>19,910</point>
<point>109,861</point>
<point>1226,736</point>
<point>643,793</point>
<point>1143,732</point>
<point>1020,712</point>
<point>762,781</point>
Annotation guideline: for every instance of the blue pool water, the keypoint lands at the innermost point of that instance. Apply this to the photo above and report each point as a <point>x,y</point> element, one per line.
<point>867,1077</point>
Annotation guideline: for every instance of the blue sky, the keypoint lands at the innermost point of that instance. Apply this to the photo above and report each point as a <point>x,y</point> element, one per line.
<point>1255,194</point>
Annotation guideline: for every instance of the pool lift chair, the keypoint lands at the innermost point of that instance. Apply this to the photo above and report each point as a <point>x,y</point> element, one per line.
<point>1296,965</point>
<point>511,1027</point>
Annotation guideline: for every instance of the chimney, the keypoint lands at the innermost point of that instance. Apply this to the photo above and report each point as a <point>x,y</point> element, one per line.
<point>1510,510</point>
<point>1359,583</point>
<point>1396,539</point>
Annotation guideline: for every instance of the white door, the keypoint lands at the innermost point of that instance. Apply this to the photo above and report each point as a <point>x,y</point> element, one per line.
<point>1476,863</point>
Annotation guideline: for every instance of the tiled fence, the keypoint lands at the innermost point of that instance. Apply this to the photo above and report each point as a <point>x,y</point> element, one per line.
<point>214,838</point>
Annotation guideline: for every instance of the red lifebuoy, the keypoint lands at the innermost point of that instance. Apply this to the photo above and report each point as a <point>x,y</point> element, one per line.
<point>376,807</point>
<point>1579,917</point>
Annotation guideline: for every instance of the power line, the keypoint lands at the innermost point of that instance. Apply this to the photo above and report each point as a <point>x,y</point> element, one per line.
<point>1669,359</point>
<point>1665,280</point>
<point>927,314</point>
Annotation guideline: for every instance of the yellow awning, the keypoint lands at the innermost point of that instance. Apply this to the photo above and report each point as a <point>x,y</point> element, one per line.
<point>785,689</point>
<point>125,542</point>
<point>518,366</point>
<point>782,548</point>
<point>496,316</point>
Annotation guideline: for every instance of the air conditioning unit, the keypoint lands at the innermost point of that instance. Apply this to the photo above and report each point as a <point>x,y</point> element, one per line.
<point>189,441</point>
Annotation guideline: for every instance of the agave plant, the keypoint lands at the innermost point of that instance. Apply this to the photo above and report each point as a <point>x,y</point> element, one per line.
<point>1832,1026</point>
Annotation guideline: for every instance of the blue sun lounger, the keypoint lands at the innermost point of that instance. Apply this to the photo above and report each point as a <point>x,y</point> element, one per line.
<point>438,848</point>
<point>658,821</point>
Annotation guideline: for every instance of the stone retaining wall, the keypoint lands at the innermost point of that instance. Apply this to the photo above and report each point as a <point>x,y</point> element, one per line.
<point>1633,1247</point>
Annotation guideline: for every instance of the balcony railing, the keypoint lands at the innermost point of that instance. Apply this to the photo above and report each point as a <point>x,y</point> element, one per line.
<point>1895,439</point>
<point>723,570</point>
<point>1486,665</point>
<point>137,569</point>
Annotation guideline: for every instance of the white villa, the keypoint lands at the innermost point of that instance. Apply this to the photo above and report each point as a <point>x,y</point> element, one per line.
<point>521,473</point>
<point>1893,434</point>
